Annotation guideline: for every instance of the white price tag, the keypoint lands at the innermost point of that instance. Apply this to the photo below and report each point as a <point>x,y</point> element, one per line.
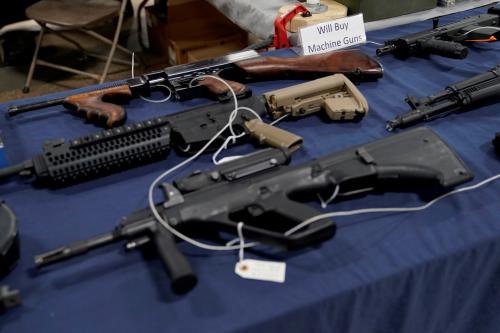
<point>261,270</point>
<point>333,35</point>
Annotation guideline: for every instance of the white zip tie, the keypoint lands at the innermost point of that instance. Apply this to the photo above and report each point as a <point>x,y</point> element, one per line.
<point>159,100</point>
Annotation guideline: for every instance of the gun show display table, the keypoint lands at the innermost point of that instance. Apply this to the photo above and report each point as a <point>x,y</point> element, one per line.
<point>429,271</point>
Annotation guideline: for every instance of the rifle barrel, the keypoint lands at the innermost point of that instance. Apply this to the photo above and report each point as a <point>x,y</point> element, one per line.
<point>15,110</point>
<point>75,249</point>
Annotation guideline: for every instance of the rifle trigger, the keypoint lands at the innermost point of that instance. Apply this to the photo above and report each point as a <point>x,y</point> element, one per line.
<point>365,156</point>
<point>173,196</point>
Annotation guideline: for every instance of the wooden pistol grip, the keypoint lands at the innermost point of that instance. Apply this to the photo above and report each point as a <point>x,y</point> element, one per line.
<point>348,62</point>
<point>91,106</point>
<point>221,91</point>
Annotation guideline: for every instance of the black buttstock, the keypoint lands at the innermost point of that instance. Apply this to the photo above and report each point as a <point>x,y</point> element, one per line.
<point>418,157</point>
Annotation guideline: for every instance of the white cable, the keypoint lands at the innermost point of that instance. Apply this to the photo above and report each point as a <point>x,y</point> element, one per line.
<point>154,184</point>
<point>279,119</point>
<point>480,28</point>
<point>223,147</point>
<point>233,94</point>
<point>158,85</point>
<point>159,100</point>
<point>389,209</point>
<point>325,204</point>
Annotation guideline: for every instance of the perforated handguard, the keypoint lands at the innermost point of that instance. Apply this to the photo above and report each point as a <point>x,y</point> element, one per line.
<point>103,153</point>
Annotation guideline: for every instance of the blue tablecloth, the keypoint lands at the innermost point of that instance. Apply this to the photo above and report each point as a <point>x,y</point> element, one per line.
<point>432,271</point>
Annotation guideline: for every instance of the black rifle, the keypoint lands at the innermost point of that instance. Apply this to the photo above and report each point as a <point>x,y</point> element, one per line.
<point>446,40</point>
<point>241,67</point>
<point>269,198</point>
<point>459,97</point>
<point>62,163</point>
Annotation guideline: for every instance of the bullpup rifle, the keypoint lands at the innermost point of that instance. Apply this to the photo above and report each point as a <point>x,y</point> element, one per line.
<point>270,197</point>
<point>234,68</point>
<point>459,97</point>
<point>446,40</point>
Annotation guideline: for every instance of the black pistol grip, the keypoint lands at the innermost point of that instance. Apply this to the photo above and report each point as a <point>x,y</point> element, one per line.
<point>282,215</point>
<point>296,213</point>
<point>176,264</point>
<point>443,48</point>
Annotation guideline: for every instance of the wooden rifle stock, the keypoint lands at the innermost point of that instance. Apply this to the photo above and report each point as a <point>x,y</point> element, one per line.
<point>95,105</point>
<point>352,63</point>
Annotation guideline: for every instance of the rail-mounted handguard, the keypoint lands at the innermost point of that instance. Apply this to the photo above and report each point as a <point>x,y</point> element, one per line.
<point>334,94</point>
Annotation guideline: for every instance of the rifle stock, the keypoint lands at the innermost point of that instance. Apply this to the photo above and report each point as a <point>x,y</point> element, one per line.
<point>181,80</point>
<point>352,63</point>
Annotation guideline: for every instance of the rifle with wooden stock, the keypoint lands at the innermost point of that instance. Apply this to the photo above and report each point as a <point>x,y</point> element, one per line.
<point>187,81</point>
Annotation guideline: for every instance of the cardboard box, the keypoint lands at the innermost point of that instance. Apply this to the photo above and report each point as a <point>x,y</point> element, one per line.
<point>214,51</point>
<point>189,26</point>
<point>178,48</point>
<point>377,10</point>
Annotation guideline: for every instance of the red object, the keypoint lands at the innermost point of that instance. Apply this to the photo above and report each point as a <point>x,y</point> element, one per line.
<point>280,35</point>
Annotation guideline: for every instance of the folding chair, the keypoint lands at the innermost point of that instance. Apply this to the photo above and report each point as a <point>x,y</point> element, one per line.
<point>82,15</point>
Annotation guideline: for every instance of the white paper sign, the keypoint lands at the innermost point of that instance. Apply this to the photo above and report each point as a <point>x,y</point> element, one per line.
<point>261,270</point>
<point>333,35</point>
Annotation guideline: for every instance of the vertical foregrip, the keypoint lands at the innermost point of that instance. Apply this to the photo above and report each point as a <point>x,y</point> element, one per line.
<point>176,264</point>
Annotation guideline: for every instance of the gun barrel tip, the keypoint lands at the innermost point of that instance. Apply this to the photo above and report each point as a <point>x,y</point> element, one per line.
<point>12,110</point>
<point>390,126</point>
<point>39,261</point>
<point>385,50</point>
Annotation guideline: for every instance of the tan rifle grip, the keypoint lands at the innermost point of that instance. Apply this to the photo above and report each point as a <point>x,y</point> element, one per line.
<point>91,105</point>
<point>273,136</point>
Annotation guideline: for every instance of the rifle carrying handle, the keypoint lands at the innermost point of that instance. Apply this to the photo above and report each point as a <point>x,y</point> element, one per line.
<point>176,264</point>
<point>92,106</point>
